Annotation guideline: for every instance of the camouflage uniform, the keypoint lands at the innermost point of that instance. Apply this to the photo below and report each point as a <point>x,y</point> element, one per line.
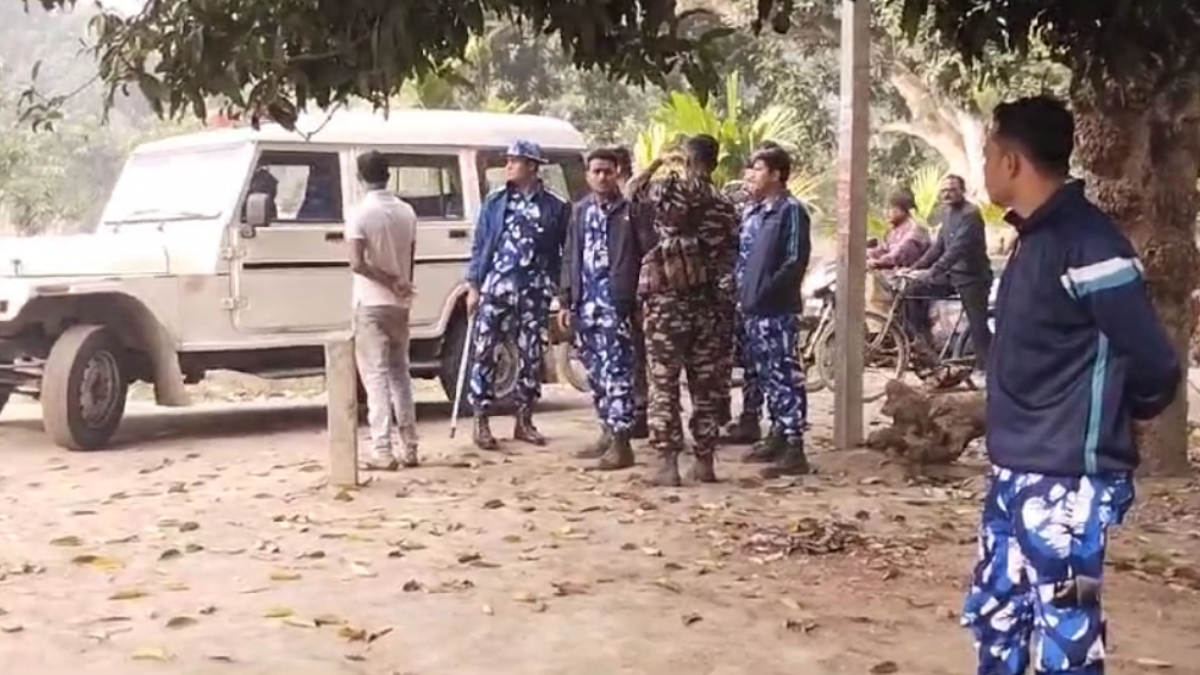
<point>682,280</point>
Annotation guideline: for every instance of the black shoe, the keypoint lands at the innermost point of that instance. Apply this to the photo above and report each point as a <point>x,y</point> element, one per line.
<point>793,462</point>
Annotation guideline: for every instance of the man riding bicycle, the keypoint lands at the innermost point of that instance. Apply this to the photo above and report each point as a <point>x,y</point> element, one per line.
<point>956,263</point>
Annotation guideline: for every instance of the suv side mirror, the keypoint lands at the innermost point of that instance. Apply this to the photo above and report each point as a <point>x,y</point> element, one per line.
<point>256,213</point>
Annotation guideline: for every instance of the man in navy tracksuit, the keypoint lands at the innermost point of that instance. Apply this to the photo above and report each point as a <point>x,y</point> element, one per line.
<point>773,254</point>
<point>515,262</point>
<point>1078,354</point>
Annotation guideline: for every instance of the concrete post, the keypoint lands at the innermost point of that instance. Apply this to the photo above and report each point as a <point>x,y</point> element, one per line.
<point>853,140</point>
<point>341,386</point>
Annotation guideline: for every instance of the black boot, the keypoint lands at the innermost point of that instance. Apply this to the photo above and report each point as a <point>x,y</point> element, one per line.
<point>598,447</point>
<point>641,426</point>
<point>746,429</point>
<point>666,472</point>
<point>484,440</point>
<point>768,450</point>
<point>793,462</point>
<point>524,430</point>
<point>703,470</point>
<point>619,454</point>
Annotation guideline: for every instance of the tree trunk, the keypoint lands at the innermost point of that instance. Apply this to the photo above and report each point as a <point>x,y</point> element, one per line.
<point>1140,155</point>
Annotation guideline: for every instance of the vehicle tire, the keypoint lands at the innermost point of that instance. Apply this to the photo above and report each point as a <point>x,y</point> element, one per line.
<point>84,387</point>
<point>452,355</point>
<point>570,368</point>
<point>885,354</point>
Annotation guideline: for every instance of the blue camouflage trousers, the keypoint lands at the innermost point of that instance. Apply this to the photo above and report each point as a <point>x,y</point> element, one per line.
<point>1041,560</point>
<point>771,343</point>
<point>606,349</point>
<point>519,319</point>
<point>752,395</point>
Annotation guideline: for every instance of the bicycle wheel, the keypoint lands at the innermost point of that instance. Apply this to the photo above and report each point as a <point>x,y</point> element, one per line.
<point>885,356</point>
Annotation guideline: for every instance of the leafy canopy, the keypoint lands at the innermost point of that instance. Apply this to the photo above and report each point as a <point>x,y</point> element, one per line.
<point>275,57</point>
<point>1104,42</point>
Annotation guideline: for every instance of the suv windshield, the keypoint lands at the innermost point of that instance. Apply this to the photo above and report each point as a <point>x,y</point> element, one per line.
<point>196,183</point>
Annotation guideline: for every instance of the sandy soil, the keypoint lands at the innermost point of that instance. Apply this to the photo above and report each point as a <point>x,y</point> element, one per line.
<point>209,544</point>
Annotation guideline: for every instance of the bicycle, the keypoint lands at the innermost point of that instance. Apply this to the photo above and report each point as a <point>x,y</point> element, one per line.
<point>889,347</point>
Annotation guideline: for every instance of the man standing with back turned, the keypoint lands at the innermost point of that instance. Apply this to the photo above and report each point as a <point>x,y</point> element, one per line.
<point>683,276</point>
<point>382,233</point>
<point>1079,354</point>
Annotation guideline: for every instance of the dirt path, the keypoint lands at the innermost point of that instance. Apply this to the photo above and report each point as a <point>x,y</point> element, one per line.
<point>211,545</point>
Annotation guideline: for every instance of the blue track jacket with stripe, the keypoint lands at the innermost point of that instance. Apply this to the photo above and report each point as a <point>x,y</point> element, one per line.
<point>1079,350</point>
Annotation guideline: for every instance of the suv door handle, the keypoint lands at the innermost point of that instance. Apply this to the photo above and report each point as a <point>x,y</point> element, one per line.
<point>459,234</point>
<point>335,236</point>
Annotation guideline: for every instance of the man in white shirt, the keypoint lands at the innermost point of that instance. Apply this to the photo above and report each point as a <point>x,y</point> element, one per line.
<point>382,233</point>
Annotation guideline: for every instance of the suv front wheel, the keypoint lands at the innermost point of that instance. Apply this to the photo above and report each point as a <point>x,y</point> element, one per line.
<point>454,348</point>
<point>84,387</point>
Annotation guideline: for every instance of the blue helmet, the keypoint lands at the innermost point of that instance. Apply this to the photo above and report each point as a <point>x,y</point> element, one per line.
<point>526,150</point>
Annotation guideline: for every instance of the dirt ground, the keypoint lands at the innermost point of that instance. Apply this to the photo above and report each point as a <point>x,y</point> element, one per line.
<point>209,544</point>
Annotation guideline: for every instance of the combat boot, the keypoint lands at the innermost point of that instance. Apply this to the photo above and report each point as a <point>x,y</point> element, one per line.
<point>744,431</point>
<point>703,470</point>
<point>524,430</point>
<point>484,440</point>
<point>619,454</point>
<point>641,426</point>
<point>793,462</point>
<point>666,473</point>
<point>768,450</point>
<point>598,447</point>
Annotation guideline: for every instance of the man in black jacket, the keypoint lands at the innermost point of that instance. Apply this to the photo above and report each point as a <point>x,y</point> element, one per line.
<point>601,261</point>
<point>773,254</point>
<point>956,263</point>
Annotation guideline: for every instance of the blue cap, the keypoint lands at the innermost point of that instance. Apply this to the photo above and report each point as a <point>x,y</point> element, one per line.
<point>526,150</point>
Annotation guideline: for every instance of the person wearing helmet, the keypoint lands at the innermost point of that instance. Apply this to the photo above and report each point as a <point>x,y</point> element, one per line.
<point>515,263</point>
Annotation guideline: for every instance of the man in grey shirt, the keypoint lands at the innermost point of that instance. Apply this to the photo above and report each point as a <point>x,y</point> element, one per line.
<point>382,233</point>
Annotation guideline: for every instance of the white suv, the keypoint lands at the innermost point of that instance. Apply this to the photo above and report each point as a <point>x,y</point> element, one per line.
<point>175,282</point>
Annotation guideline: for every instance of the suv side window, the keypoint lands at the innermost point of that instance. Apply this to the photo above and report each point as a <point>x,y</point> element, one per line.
<point>305,187</point>
<point>431,184</point>
<point>563,173</point>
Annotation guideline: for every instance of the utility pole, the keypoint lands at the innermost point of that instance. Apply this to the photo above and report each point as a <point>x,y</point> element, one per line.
<point>853,145</point>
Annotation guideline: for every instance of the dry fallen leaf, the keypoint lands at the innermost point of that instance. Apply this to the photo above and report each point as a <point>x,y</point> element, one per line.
<point>1154,663</point>
<point>525,596</point>
<point>71,540</point>
<point>885,668</point>
<point>691,618</point>
<point>278,612</point>
<point>189,526</point>
<point>151,654</point>
<point>361,570</point>
<point>181,622</point>
<point>170,554</point>
<point>790,603</point>
<point>352,634</point>
<point>299,622</point>
<point>11,628</point>
<point>128,594</point>
<point>98,562</point>
<point>329,620</point>
<point>284,575</point>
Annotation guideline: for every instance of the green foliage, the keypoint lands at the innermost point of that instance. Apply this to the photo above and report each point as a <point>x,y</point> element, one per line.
<point>737,130</point>
<point>276,57</point>
<point>1100,40</point>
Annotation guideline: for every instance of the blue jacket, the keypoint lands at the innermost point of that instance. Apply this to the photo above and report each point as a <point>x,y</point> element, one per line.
<point>777,260</point>
<point>1079,350</point>
<point>555,214</point>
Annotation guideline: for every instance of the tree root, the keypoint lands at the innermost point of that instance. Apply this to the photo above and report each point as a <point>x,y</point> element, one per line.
<point>928,427</point>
